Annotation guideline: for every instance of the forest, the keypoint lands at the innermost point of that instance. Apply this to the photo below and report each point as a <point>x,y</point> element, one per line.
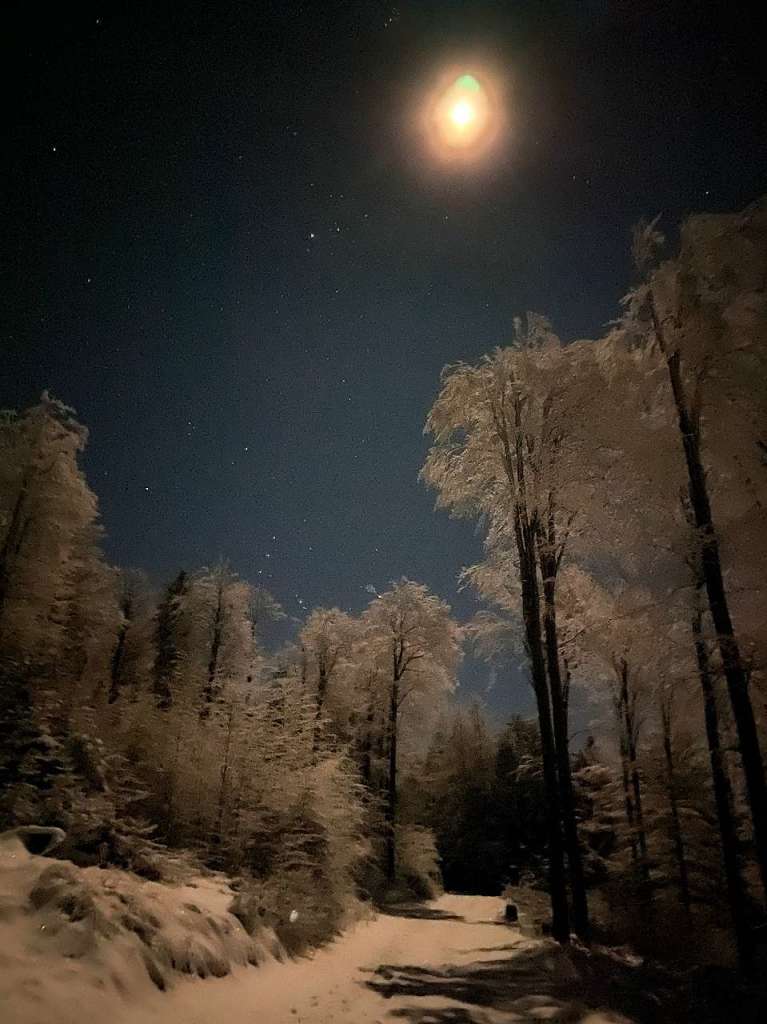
<point>619,484</point>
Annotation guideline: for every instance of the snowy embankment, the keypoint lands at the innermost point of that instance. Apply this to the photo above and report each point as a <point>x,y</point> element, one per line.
<point>85,943</point>
<point>76,940</point>
<point>449,961</point>
<point>82,943</point>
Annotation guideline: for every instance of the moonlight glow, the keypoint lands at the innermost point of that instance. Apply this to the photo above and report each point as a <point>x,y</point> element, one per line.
<point>462,113</point>
<point>462,116</point>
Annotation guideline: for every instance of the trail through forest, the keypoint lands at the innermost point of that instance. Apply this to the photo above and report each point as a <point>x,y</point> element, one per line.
<point>452,961</point>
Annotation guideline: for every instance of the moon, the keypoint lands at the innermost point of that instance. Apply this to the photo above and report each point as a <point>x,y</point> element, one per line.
<point>462,116</point>
<point>463,113</point>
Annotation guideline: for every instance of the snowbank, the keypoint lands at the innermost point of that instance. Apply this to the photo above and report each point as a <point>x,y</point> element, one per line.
<point>75,940</point>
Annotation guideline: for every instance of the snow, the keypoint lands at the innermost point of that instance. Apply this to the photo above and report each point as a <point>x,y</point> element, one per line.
<point>74,938</point>
<point>90,943</point>
<point>448,961</point>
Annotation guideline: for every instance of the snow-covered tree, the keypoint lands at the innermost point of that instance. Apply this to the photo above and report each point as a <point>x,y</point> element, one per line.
<point>701,318</point>
<point>325,642</point>
<point>506,446</point>
<point>167,641</point>
<point>410,637</point>
<point>46,507</point>
<point>222,645</point>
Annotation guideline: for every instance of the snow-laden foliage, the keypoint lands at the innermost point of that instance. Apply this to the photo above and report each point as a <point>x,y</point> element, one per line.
<point>620,484</point>
<point>144,722</point>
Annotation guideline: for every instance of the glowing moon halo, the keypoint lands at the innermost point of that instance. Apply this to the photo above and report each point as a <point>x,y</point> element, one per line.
<point>461,117</point>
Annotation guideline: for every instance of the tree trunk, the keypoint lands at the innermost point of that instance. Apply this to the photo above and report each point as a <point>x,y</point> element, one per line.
<point>322,686</point>
<point>209,693</point>
<point>723,799</point>
<point>116,664</point>
<point>627,801</point>
<point>562,742</point>
<point>525,536</point>
<point>14,536</point>
<point>166,643</point>
<point>223,775</point>
<point>169,788</point>
<point>391,795</point>
<point>636,787</point>
<point>711,567</point>
<point>632,785</point>
<point>676,824</point>
<point>366,752</point>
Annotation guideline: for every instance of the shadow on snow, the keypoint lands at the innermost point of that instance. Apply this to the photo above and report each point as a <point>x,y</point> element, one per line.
<point>420,911</point>
<point>547,982</point>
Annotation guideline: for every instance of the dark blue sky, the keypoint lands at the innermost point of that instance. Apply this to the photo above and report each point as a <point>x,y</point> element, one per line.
<point>224,246</point>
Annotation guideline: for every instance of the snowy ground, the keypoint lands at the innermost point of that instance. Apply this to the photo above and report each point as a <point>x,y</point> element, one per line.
<point>85,944</point>
<point>449,962</point>
<point>77,943</point>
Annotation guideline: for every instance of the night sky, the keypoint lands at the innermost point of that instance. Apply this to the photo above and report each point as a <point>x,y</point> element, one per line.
<point>225,245</point>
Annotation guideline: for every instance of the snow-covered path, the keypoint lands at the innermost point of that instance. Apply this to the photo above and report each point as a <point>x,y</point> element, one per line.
<point>448,962</point>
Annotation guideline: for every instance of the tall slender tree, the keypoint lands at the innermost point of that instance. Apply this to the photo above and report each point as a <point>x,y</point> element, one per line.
<point>691,310</point>
<point>167,645</point>
<point>326,641</point>
<point>502,442</point>
<point>411,636</point>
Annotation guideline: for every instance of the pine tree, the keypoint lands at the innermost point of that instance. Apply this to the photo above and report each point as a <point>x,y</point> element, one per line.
<point>46,507</point>
<point>167,642</point>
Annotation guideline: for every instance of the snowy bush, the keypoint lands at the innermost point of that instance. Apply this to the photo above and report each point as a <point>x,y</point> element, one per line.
<point>418,861</point>
<point>118,932</point>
